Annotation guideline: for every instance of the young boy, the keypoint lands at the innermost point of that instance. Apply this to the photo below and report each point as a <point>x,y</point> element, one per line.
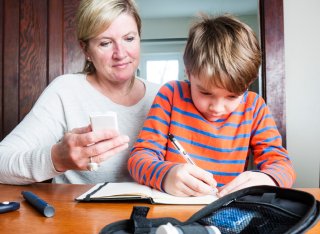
<point>214,117</point>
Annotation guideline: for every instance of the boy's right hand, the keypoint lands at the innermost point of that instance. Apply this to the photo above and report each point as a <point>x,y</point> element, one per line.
<point>189,180</point>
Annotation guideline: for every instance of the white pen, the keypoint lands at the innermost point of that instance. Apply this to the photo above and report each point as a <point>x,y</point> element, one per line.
<point>181,150</point>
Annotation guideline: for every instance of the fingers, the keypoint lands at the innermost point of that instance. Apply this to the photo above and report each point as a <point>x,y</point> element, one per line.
<point>196,188</point>
<point>173,181</point>
<point>246,179</point>
<point>101,151</point>
<point>189,180</point>
<point>205,176</point>
<point>81,130</point>
<point>107,147</point>
<point>107,154</point>
<point>93,137</point>
<point>184,190</point>
<point>94,162</point>
<point>236,184</point>
<point>77,146</point>
<point>201,182</point>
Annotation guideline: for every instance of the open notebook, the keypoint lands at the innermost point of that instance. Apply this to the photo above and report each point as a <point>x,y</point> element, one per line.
<point>131,191</point>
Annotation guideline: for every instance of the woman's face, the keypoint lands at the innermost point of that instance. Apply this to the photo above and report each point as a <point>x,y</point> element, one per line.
<point>115,53</point>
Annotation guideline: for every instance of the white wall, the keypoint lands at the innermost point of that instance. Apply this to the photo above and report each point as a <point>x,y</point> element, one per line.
<point>302,61</point>
<point>165,28</point>
<point>179,27</point>
<point>175,28</point>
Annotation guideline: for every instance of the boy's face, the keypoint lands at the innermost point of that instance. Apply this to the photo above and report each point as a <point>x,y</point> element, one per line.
<point>213,103</point>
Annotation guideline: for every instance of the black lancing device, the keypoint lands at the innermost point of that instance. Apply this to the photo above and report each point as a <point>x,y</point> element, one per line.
<point>7,206</point>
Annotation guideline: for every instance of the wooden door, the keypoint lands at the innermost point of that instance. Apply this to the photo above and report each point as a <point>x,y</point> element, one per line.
<point>38,43</point>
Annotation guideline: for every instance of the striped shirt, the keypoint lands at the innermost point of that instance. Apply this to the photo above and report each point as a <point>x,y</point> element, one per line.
<point>221,147</point>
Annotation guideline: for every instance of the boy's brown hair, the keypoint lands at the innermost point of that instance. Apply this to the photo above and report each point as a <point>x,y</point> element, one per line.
<point>223,52</point>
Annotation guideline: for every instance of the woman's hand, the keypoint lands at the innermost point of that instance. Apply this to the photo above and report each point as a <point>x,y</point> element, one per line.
<point>74,150</point>
<point>244,180</point>
<point>189,180</point>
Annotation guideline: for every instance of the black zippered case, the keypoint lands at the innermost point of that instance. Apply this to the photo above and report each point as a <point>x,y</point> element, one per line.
<point>258,209</point>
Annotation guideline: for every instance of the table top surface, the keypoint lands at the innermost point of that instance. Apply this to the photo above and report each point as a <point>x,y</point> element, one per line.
<point>71,216</point>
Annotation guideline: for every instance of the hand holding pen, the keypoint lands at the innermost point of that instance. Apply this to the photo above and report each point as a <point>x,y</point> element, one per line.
<point>191,176</point>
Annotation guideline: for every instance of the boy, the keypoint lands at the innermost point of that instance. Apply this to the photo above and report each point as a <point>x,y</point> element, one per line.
<point>214,117</point>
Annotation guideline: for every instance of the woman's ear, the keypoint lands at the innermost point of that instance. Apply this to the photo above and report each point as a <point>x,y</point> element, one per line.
<point>84,47</point>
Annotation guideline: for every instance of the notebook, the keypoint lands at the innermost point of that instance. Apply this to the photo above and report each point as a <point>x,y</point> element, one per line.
<point>134,192</point>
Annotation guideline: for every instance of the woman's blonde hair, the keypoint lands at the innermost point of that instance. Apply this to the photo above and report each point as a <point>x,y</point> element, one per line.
<point>223,52</point>
<point>95,16</point>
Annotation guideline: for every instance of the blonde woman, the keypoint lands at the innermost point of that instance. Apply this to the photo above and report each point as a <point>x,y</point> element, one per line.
<point>55,139</point>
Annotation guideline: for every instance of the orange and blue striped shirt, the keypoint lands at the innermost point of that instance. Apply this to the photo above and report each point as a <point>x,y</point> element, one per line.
<point>221,147</point>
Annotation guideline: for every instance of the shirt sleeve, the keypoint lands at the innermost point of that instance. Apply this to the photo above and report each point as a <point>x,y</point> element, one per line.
<point>270,156</point>
<point>147,163</point>
<point>25,154</point>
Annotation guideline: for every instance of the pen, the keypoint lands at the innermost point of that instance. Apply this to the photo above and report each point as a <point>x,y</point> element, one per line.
<point>43,207</point>
<point>181,150</point>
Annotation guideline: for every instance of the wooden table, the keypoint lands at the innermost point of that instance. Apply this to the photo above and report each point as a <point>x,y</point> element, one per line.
<point>74,217</point>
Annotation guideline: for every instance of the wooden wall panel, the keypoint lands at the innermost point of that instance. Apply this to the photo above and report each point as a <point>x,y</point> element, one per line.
<point>10,65</point>
<point>33,53</point>
<point>1,65</point>
<point>273,67</point>
<point>38,43</point>
<point>73,56</point>
<point>55,39</point>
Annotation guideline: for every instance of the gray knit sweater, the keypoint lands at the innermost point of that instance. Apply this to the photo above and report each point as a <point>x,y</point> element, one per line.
<point>25,154</point>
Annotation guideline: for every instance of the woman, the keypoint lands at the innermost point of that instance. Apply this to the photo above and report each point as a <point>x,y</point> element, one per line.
<point>55,139</point>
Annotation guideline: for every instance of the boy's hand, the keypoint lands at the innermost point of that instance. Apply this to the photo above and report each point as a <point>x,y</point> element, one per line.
<point>189,180</point>
<point>244,180</point>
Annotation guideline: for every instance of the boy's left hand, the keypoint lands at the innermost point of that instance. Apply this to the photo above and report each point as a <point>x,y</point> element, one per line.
<point>244,180</point>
